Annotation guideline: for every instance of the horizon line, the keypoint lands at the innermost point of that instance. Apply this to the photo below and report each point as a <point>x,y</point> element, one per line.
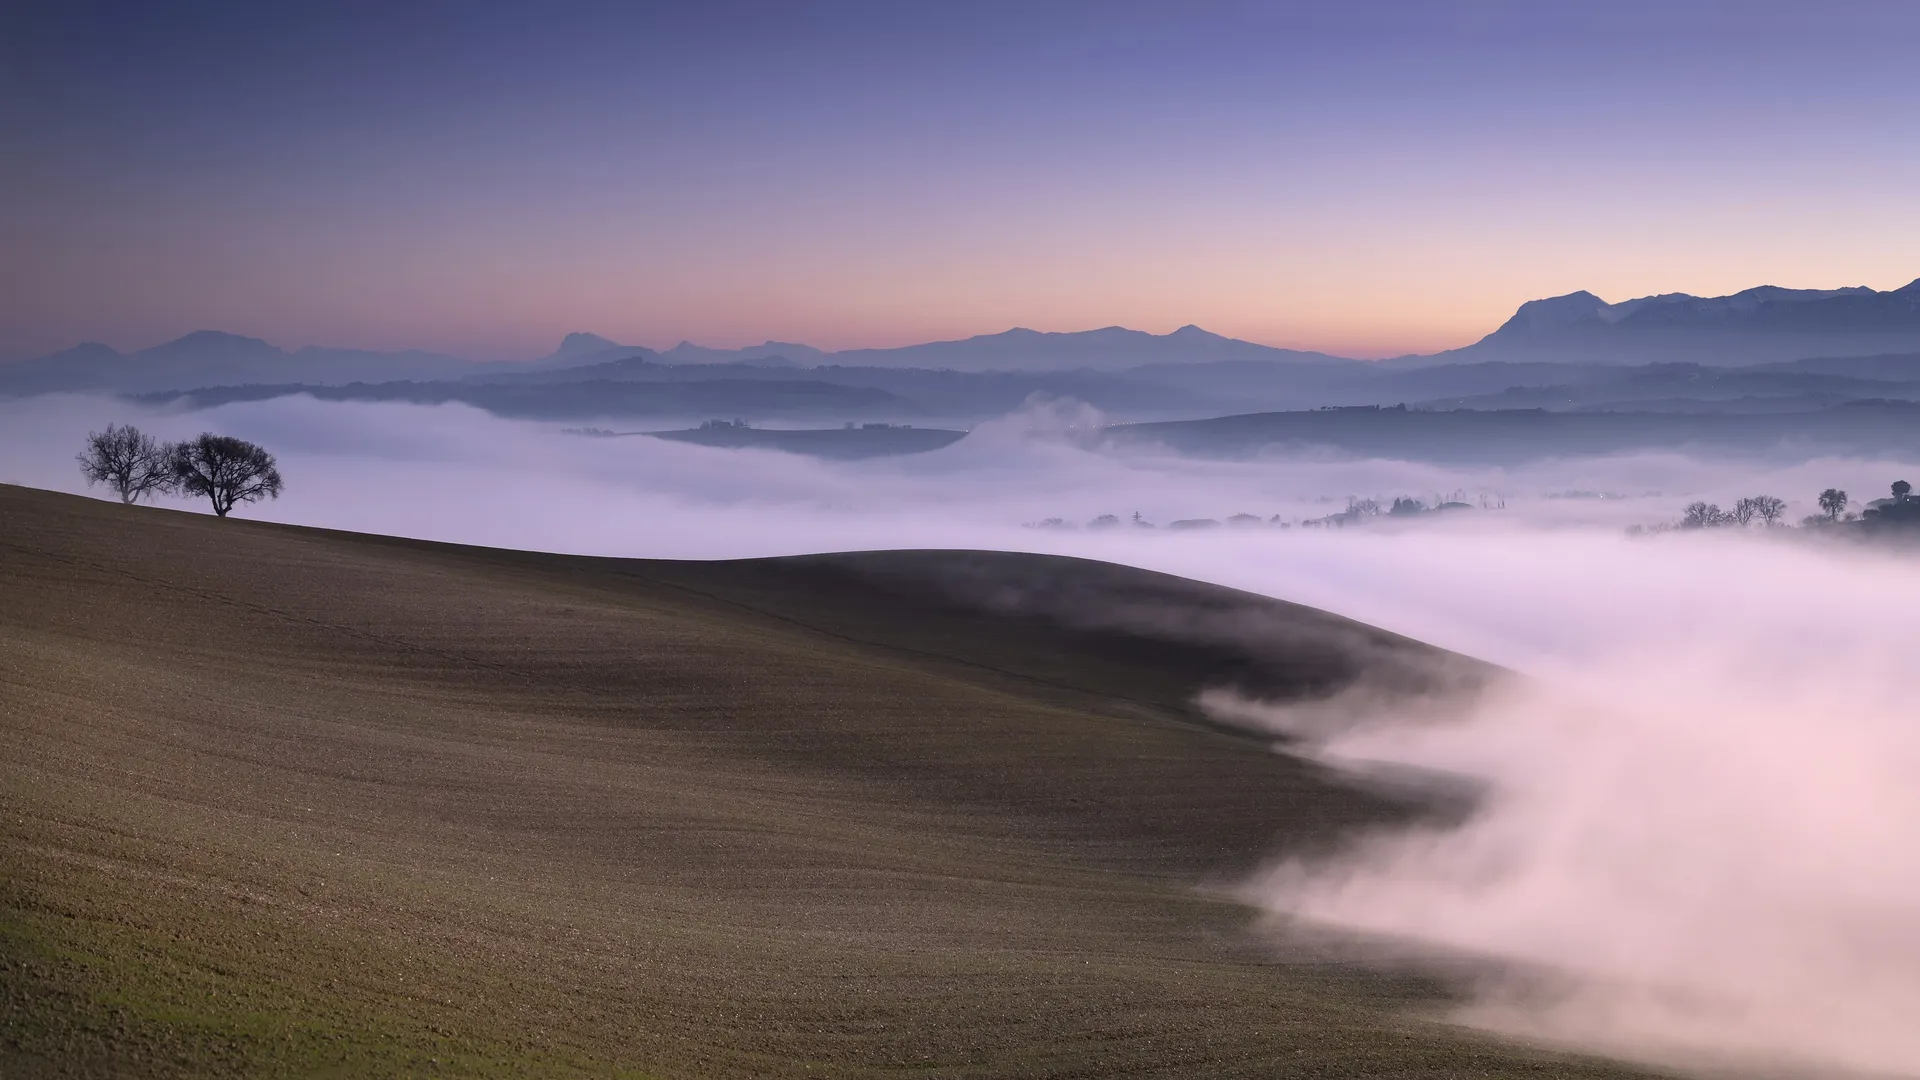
<point>1368,354</point>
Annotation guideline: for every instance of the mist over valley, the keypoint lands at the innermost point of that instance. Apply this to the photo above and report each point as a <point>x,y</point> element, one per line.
<point>1609,565</point>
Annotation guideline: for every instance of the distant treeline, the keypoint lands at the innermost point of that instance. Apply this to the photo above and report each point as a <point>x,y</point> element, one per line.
<point>1358,509</point>
<point>1900,509</point>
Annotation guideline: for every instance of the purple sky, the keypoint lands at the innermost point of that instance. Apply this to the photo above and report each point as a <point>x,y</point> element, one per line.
<point>1365,178</point>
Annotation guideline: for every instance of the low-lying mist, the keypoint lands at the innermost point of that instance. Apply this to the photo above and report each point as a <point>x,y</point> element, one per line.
<point>1698,840</point>
<point>1697,845</point>
<point>451,472</point>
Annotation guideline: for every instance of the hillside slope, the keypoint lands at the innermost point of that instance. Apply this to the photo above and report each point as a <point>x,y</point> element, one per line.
<point>285,802</point>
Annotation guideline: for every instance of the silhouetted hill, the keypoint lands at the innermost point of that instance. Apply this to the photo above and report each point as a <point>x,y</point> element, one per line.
<point>1518,435</point>
<point>848,443</point>
<point>1108,349</point>
<point>1813,331</point>
<point>762,392</point>
<point>934,392</point>
<point>1894,367</point>
<point>1675,387</point>
<point>211,347</point>
<point>585,349</point>
<point>211,358</point>
<point>87,366</point>
<point>576,350</point>
<point>771,353</point>
<point>578,344</point>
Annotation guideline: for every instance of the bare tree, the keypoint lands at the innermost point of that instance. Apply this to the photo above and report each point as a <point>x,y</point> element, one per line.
<point>1834,502</point>
<point>1703,515</point>
<point>127,460</point>
<point>226,470</point>
<point>1743,513</point>
<point>1770,508</point>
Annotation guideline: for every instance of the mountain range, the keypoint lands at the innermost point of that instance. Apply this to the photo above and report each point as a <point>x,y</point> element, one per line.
<point>1761,325</point>
<point>1751,327</point>
<point>213,358</point>
<point>1111,348</point>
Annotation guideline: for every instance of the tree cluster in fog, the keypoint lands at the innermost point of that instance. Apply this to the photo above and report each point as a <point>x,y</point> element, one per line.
<point>1901,509</point>
<point>1768,509</point>
<point>1358,509</point>
<point>220,468</point>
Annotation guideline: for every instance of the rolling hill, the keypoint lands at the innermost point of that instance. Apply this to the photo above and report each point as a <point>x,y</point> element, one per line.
<point>289,802</point>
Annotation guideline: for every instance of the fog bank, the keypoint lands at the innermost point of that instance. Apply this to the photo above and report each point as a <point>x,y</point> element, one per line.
<point>455,473</point>
<point>1698,843</point>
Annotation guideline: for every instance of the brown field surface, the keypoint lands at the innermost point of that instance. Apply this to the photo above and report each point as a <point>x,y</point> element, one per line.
<point>287,802</point>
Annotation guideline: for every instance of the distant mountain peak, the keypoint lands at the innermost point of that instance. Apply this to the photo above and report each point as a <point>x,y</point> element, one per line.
<point>200,339</point>
<point>582,344</point>
<point>1190,332</point>
<point>213,344</point>
<point>1555,312</point>
<point>1763,323</point>
<point>770,352</point>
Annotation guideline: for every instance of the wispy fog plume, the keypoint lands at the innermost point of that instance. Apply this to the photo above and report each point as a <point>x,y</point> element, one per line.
<point>1699,836</point>
<point>1698,842</point>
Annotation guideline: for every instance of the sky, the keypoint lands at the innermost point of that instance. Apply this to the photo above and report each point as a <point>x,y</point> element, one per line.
<point>1368,178</point>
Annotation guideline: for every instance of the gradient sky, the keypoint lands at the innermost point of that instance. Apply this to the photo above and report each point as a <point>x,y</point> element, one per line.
<point>1368,178</point>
